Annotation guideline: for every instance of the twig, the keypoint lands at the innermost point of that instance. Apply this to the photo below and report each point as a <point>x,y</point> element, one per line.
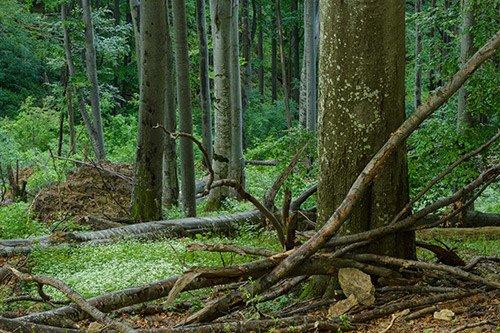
<point>471,325</point>
<point>295,205</point>
<point>206,155</point>
<point>95,165</point>
<point>475,261</point>
<point>75,297</point>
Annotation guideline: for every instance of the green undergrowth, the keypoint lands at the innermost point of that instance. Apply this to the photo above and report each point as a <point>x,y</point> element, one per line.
<point>16,222</point>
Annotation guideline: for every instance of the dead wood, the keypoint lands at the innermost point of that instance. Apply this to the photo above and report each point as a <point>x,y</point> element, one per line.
<point>18,326</point>
<point>475,261</point>
<point>455,271</point>
<point>243,250</point>
<point>262,162</point>
<point>295,205</point>
<point>444,255</point>
<point>472,325</point>
<point>73,296</point>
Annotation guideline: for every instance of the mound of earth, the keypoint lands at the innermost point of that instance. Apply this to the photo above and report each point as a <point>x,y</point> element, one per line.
<point>102,191</point>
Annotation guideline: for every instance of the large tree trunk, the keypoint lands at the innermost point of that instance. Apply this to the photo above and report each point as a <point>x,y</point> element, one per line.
<point>464,118</point>
<point>228,149</point>
<point>90,58</point>
<point>147,193</point>
<point>361,103</point>
<point>170,174</point>
<point>206,117</point>
<point>418,62</point>
<point>188,195</point>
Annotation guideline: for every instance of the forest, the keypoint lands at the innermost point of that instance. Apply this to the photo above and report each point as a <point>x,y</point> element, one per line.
<point>184,166</point>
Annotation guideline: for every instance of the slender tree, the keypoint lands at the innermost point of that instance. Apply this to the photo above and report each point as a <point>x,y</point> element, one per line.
<point>170,173</point>
<point>284,74</point>
<point>69,87</point>
<point>147,193</point>
<point>464,117</point>
<point>295,50</point>
<point>361,103</point>
<point>246,48</point>
<point>418,61</point>
<point>260,46</point>
<point>135,13</point>
<point>188,195</point>
<point>206,118</point>
<point>91,63</point>
<point>274,67</point>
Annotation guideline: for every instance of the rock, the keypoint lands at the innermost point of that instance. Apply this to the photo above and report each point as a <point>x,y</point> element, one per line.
<point>343,306</point>
<point>95,327</point>
<point>444,314</point>
<point>357,283</point>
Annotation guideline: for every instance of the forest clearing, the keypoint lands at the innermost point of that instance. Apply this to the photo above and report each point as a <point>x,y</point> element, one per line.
<point>249,166</point>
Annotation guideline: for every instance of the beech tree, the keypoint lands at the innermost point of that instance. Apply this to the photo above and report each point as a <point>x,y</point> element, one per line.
<point>464,118</point>
<point>361,103</point>
<point>91,62</point>
<point>147,194</point>
<point>228,147</point>
<point>188,196</point>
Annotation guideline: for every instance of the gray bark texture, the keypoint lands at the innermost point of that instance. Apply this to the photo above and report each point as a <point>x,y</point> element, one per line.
<point>170,172</point>
<point>90,59</point>
<point>464,118</point>
<point>361,103</point>
<point>205,100</point>
<point>148,182</point>
<point>188,195</point>
<point>228,159</point>
<point>418,61</point>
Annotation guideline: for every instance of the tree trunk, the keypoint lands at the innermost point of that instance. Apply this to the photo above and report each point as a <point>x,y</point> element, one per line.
<point>418,62</point>
<point>311,22</point>
<point>135,12</point>
<point>274,66</point>
<point>228,155</point>
<point>464,118</point>
<point>260,47</point>
<point>284,75</point>
<point>188,196</point>
<point>237,166</point>
<point>361,104</point>
<point>148,183</point>
<point>295,50</point>
<point>206,118</point>
<point>432,36</point>
<point>69,87</point>
<point>246,48</point>
<point>170,173</point>
<point>90,58</point>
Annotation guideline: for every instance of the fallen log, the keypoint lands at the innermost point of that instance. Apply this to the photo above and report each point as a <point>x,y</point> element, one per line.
<point>18,326</point>
<point>262,162</point>
<point>317,265</point>
<point>169,228</point>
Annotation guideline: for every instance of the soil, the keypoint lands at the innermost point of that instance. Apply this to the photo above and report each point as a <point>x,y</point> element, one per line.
<point>102,192</point>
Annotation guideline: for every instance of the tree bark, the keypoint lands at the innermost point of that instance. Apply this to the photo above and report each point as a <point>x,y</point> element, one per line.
<point>206,118</point>
<point>90,58</point>
<point>228,159</point>
<point>311,24</point>
<point>274,65</point>
<point>361,104</point>
<point>295,51</point>
<point>284,74</point>
<point>135,12</point>
<point>260,47</point>
<point>418,61</point>
<point>464,117</point>
<point>170,172</point>
<point>148,183</point>
<point>188,196</point>
<point>246,48</point>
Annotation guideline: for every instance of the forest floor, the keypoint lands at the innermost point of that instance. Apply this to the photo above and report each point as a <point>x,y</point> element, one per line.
<point>96,269</point>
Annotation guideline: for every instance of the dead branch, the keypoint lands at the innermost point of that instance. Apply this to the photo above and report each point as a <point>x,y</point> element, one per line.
<point>97,166</point>
<point>472,325</point>
<point>18,326</point>
<point>243,250</point>
<point>444,255</point>
<point>460,273</point>
<point>295,205</point>
<point>273,191</point>
<point>443,174</point>
<point>73,296</point>
<point>475,261</point>
<point>31,298</point>
<point>262,163</point>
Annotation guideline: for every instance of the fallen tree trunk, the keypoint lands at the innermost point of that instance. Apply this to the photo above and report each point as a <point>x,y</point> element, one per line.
<point>171,228</point>
<point>317,265</point>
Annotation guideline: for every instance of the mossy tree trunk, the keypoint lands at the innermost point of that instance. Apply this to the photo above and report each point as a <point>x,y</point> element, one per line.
<point>361,79</point>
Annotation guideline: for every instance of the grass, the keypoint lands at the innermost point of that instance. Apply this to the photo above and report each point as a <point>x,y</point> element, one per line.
<point>16,222</point>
